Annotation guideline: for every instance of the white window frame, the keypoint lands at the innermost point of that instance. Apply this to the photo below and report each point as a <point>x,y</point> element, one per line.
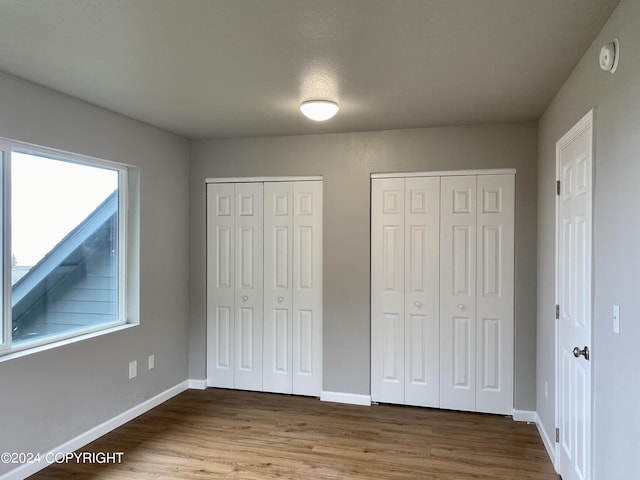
<point>5,218</point>
<point>128,254</point>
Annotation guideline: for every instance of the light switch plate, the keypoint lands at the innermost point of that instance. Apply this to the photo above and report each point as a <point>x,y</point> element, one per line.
<point>133,369</point>
<point>546,389</point>
<point>152,362</point>
<point>616,319</point>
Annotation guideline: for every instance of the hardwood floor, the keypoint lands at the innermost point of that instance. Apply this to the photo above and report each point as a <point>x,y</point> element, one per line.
<point>244,435</point>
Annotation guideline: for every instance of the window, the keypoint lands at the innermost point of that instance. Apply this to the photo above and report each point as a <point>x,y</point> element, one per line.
<point>65,246</point>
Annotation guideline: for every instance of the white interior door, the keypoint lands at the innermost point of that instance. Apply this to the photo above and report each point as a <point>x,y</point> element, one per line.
<point>248,285</point>
<point>387,290</point>
<point>264,286</point>
<point>307,288</point>
<point>574,162</point>
<point>442,291</point>
<point>458,293</point>
<point>421,299</point>
<point>220,285</point>
<point>495,294</point>
<point>278,295</point>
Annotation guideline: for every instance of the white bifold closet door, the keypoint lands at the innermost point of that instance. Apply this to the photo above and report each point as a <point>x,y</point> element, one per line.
<point>293,287</point>
<point>477,293</point>
<point>495,294</point>
<point>458,293</point>
<point>264,286</point>
<point>405,325</point>
<point>442,296</point>
<point>234,287</point>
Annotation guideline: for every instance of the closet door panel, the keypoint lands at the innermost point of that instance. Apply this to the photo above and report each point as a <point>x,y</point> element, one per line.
<point>307,288</point>
<point>458,293</point>
<point>248,285</point>
<point>278,298</point>
<point>220,285</point>
<point>495,300</point>
<point>388,290</point>
<point>421,295</point>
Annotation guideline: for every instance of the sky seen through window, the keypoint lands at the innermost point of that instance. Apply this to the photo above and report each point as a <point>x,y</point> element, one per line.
<point>49,198</point>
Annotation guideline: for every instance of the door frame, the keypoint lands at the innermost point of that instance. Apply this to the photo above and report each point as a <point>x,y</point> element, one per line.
<point>587,121</point>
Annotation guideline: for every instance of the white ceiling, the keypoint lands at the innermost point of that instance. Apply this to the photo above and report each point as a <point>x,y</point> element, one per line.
<point>228,68</point>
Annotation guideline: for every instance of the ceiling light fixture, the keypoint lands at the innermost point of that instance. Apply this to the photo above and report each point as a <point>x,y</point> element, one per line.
<point>319,110</point>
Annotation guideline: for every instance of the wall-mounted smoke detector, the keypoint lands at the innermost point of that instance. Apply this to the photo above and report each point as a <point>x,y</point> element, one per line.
<point>610,56</point>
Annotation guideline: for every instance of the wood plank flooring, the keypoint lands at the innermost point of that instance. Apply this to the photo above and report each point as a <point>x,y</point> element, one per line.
<point>232,434</point>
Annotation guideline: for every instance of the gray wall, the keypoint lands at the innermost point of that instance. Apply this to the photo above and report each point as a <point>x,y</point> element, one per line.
<point>52,396</point>
<point>616,99</point>
<point>346,160</point>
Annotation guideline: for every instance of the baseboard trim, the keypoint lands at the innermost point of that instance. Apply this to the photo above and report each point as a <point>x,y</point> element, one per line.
<point>351,398</point>
<point>524,416</point>
<point>92,434</point>
<point>197,384</point>
<point>548,444</point>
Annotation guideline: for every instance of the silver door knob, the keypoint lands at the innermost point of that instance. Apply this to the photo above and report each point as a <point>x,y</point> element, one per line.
<point>460,307</point>
<point>584,352</point>
<point>245,298</point>
<point>418,305</point>
<point>280,299</point>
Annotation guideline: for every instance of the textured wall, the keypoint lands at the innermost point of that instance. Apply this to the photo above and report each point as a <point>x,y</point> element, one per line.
<point>616,102</point>
<point>346,161</point>
<point>52,396</point>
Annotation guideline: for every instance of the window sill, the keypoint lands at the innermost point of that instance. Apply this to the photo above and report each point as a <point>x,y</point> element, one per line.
<point>11,355</point>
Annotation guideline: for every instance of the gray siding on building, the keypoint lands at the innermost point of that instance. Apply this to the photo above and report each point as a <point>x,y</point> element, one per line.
<point>75,285</point>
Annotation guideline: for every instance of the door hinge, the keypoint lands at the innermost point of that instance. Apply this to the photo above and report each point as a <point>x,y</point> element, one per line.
<point>557,187</point>
<point>557,312</point>
<point>557,435</point>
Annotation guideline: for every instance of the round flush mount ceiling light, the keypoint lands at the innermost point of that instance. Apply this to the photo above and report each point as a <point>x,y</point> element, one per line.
<point>319,110</point>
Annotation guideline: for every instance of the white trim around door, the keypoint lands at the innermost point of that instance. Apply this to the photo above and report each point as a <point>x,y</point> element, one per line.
<point>446,173</point>
<point>308,178</point>
<point>574,291</point>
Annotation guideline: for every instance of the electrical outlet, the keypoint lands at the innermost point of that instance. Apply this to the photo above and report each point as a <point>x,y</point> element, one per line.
<point>133,369</point>
<point>152,362</point>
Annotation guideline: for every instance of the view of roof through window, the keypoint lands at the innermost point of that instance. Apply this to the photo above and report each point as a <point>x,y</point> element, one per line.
<point>64,244</point>
<point>50,198</point>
